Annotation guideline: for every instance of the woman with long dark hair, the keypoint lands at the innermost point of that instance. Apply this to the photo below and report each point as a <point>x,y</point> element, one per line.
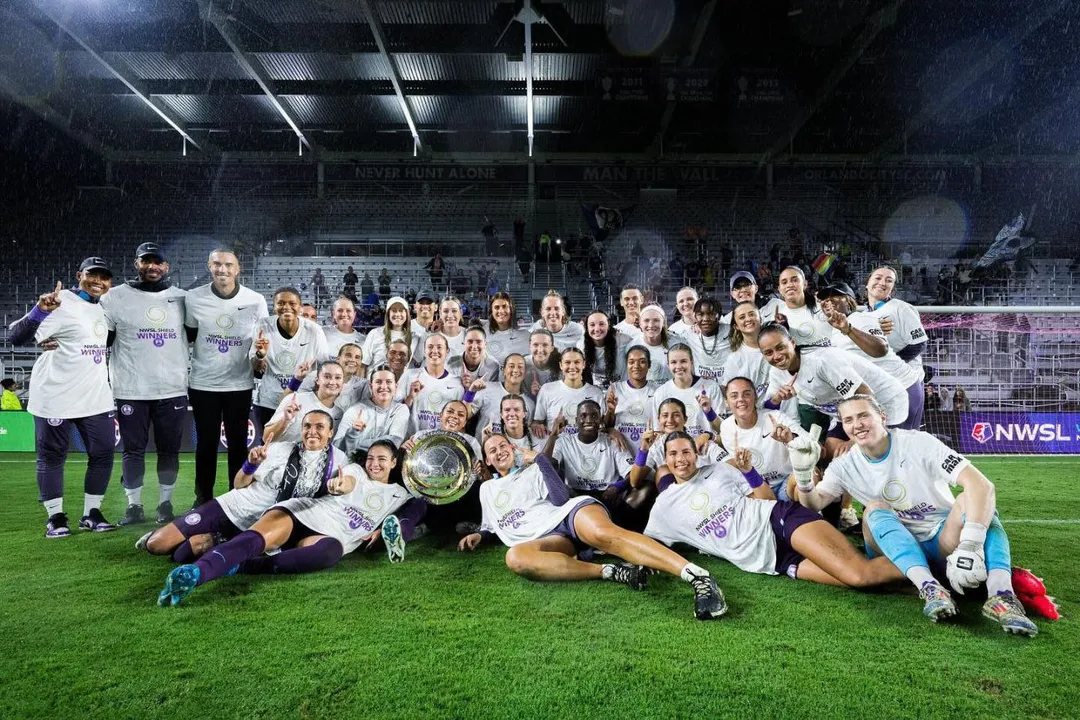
<point>806,322</point>
<point>503,335</point>
<point>602,346</point>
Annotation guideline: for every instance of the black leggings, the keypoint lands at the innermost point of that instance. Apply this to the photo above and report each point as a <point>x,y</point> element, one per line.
<point>211,410</point>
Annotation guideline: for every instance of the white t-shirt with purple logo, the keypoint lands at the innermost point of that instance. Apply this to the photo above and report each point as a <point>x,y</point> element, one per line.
<point>220,360</point>
<point>308,344</point>
<point>149,358</point>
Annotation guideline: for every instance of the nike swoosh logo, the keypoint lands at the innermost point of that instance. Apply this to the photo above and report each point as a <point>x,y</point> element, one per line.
<point>179,407</point>
<point>243,307</point>
<point>303,344</point>
<point>809,380</point>
<point>171,301</point>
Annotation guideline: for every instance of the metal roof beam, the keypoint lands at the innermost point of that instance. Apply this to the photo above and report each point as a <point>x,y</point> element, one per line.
<point>128,78</point>
<point>878,22</point>
<point>333,88</point>
<point>252,68</point>
<point>1031,21</point>
<point>395,74</point>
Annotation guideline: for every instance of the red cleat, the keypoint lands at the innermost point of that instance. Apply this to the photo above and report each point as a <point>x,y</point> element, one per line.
<point>1027,583</point>
<point>1042,605</point>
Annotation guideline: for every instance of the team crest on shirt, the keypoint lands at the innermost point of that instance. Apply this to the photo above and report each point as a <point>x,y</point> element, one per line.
<point>126,409</point>
<point>156,314</point>
<point>495,346</point>
<point>374,502</point>
<point>636,409</point>
<point>192,518</point>
<point>590,465</point>
<point>804,330</point>
<point>894,492</point>
<point>287,359</point>
<point>100,330</point>
<point>756,458</point>
<point>502,499</point>
<point>698,501</point>
<point>225,322</point>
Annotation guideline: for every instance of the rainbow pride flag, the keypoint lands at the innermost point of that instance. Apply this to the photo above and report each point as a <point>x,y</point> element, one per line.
<point>823,262</point>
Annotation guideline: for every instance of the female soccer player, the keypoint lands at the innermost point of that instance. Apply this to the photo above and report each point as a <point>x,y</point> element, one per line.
<point>281,342</point>
<point>354,386</point>
<point>684,304</point>
<point>542,364</point>
<point>426,389</point>
<point>736,518</point>
<point>743,287</point>
<point>696,393</point>
<point>903,478</point>
<point>450,325</point>
<point>670,418</point>
<point>746,359</point>
<point>654,338</point>
<point>901,322</point>
<point>323,396</point>
<point>377,418</point>
<point>474,362</point>
<point>603,346</point>
<point>563,395</point>
<point>709,343</point>
<point>396,326</point>
<point>630,300</point>
<point>629,402</point>
<point>69,386</point>
<point>514,414</point>
<point>313,533</point>
<point>530,510</point>
<point>556,319</point>
<point>764,433</point>
<point>806,323</point>
<point>504,337</point>
<point>486,396</point>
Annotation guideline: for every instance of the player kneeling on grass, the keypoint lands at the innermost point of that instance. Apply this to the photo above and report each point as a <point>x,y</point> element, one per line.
<point>739,519</point>
<point>273,473</point>
<point>902,478</point>
<point>315,532</point>
<point>529,508</point>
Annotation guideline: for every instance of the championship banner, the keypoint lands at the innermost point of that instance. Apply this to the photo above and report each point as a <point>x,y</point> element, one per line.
<point>1019,432</point>
<point>16,431</point>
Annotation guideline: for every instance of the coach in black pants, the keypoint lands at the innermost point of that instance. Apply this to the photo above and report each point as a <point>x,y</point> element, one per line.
<point>219,319</point>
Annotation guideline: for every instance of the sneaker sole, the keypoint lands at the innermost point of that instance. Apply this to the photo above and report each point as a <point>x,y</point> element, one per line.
<point>177,587</point>
<point>140,544</point>
<point>712,615</point>
<point>55,536</point>
<point>1022,630</point>
<point>395,544</point>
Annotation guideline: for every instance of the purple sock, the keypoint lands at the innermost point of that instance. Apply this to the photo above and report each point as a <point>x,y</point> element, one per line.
<point>318,556</point>
<point>183,554</point>
<point>224,557</point>
<point>410,516</point>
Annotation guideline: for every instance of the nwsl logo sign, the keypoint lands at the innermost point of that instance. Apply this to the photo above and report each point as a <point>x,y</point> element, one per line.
<point>1028,433</point>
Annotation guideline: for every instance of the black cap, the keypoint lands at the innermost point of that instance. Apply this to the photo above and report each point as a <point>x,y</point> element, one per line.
<point>840,288</point>
<point>149,249</point>
<point>94,263</point>
<point>425,295</point>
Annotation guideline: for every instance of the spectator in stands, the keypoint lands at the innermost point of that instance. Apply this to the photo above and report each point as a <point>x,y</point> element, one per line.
<point>318,287</point>
<point>309,312</point>
<point>545,245</point>
<point>348,284</point>
<point>524,260</point>
<point>384,286</point>
<point>932,401</point>
<point>367,287</point>
<point>774,254</point>
<point>961,402</point>
<point>8,399</point>
<point>491,237</point>
<point>435,267</point>
<point>519,234</point>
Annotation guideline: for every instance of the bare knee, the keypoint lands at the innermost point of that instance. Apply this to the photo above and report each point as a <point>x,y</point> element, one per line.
<point>517,561</point>
<point>164,540</point>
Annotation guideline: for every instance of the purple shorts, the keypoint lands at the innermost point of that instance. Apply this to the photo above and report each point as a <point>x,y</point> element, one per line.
<point>566,527</point>
<point>786,518</point>
<point>207,518</point>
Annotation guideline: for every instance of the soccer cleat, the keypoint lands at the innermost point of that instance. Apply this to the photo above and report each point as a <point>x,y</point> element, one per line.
<point>467,528</point>
<point>709,602</point>
<point>938,602</point>
<point>140,544</point>
<point>165,513</point>
<point>178,585</point>
<point>391,535</point>
<point>57,527</point>
<point>630,574</point>
<point>848,518</point>
<point>1041,605</point>
<point>1025,582</point>
<point>95,522</point>
<point>133,516</point>
<point>1005,609</point>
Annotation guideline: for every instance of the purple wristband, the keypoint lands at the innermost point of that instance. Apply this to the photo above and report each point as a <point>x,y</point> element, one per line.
<point>753,478</point>
<point>294,383</point>
<point>248,469</point>
<point>710,415</point>
<point>770,405</point>
<point>621,484</point>
<point>469,396</point>
<point>39,315</point>
<point>641,458</point>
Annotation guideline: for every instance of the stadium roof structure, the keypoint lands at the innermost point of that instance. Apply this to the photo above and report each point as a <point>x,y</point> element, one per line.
<point>298,80</point>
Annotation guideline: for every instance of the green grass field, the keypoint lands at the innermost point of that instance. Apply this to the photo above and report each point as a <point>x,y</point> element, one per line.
<point>452,635</point>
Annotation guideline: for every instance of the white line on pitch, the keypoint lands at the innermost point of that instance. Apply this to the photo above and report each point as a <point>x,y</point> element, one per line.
<point>1041,521</point>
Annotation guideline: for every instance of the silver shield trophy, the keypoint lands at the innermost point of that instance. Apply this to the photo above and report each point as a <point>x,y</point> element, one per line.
<point>439,467</point>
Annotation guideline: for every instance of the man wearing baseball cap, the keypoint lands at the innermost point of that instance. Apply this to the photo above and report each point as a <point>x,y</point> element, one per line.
<point>145,318</point>
<point>743,287</point>
<point>69,386</point>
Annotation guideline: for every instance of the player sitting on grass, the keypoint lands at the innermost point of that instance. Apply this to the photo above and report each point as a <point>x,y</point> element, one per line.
<point>737,518</point>
<point>315,532</point>
<point>272,474</point>
<point>529,508</point>
<point>902,478</point>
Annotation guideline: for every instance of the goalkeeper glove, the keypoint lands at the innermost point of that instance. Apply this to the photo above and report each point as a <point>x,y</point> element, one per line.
<point>804,452</point>
<point>965,566</point>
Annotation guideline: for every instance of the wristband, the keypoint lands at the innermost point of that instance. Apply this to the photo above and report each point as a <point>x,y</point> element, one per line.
<point>248,469</point>
<point>620,484</point>
<point>710,415</point>
<point>469,396</point>
<point>770,405</point>
<point>973,532</point>
<point>641,458</point>
<point>294,383</point>
<point>39,315</point>
<point>753,478</point>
